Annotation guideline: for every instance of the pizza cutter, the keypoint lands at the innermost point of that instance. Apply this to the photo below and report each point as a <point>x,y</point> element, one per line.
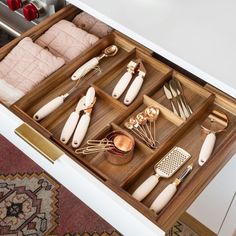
<point>215,123</point>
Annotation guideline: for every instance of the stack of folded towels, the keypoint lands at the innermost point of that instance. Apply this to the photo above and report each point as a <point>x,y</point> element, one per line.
<point>28,63</point>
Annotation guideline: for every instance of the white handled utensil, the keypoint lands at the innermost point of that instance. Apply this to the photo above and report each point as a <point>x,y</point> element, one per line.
<point>93,63</point>
<point>215,123</point>
<point>125,79</point>
<point>136,85</point>
<point>78,74</point>
<point>83,124</point>
<point>165,168</point>
<point>165,196</point>
<point>72,121</point>
<point>49,107</point>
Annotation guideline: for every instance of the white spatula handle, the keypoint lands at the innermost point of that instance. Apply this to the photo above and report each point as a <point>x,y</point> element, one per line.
<point>133,90</point>
<point>122,85</point>
<point>163,198</point>
<point>48,108</point>
<point>85,68</point>
<point>81,130</point>
<point>69,127</point>
<point>207,148</point>
<point>146,187</point>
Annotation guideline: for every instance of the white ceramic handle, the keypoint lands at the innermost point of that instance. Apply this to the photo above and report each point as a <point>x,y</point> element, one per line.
<point>85,68</point>
<point>69,127</point>
<point>133,90</point>
<point>207,148</point>
<point>81,130</point>
<point>121,85</point>
<point>163,198</point>
<point>48,108</point>
<point>146,187</point>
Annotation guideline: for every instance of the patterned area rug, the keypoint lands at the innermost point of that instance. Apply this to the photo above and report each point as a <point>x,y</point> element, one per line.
<point>181,229</point>
<point>32,203</point>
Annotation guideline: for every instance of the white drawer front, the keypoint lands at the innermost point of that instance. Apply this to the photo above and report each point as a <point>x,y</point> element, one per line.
<point>86,187</point>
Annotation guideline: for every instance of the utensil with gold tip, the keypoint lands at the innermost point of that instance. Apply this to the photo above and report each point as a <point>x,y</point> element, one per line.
<point>165,196</point>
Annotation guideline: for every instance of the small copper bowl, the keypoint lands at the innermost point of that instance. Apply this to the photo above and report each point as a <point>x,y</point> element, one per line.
<point>124,147</point>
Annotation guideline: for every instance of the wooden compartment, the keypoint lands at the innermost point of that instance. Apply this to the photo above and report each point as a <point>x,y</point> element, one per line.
<point>110,114</point>
<point>104,112</point>
<point>156,73</point>
<point>165,125</point>
<point>193,93</point>
<point>191,140</point>
<point>115,173</point>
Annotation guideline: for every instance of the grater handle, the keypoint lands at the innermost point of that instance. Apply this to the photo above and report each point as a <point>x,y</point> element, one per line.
<point>146,187</point>
<point>163,198</point>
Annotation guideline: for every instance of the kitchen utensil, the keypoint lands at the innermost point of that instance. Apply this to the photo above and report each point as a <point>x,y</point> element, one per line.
<point>215,123</point>
<point>131,127</point>
<point>72,121</point>
<point>117,145</point>
<point>117,156</point>
<point>84,121</point>
<point>181,91</point>
<point>175,87</point>
<point>152,114</point>
<point>165,168</point>
<point>169,97</point>
<point>175,95</point>
<point>139,125</point>
<point>142,120</point>
<point>165,196</point>
<point>125,79</point>
<point>93,63</point>
<point>78,74</point>
<point>121,142</point>
<point>136,85</point>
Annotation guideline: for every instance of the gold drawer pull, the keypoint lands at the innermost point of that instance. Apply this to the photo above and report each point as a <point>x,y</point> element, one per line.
<point>40,143</point>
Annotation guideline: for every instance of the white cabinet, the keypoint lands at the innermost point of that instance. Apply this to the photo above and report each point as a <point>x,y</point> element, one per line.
<point>211,207</point>
<point>229,224</point>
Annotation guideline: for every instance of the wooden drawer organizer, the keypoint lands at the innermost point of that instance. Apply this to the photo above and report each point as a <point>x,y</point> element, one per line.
<point>110,114</point>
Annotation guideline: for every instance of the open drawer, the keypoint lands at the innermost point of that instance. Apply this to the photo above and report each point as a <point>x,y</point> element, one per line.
<point>111,114</point>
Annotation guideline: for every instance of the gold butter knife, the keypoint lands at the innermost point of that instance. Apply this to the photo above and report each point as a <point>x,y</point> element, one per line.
<point>170,97</point>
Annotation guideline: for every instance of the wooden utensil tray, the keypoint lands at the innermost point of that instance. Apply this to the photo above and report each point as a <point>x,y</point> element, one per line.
<point>110,114</point>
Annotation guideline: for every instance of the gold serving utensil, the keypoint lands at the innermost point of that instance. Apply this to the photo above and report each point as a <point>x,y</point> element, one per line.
<point>181,93</point>
<point>170,98</point>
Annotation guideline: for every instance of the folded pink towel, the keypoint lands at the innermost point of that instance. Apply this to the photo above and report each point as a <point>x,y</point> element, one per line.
<point>91,25</point>
<point>64,39</point>
<point>24,67</point>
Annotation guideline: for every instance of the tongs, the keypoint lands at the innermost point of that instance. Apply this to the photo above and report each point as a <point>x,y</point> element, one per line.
<point>76,124</point>
<point>132,67</point>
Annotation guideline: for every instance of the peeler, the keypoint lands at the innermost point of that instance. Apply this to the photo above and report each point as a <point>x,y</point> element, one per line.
<point>215,123</point>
